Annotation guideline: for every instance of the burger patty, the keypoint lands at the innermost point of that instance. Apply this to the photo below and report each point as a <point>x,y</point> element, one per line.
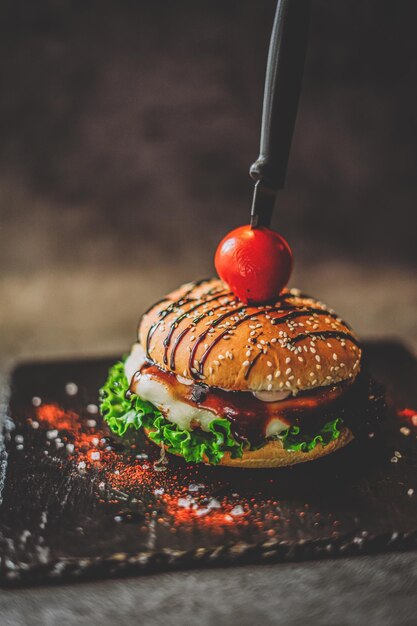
<point>191,405</point>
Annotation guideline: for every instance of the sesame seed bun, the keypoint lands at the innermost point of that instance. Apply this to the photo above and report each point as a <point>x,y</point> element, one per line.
<point>202,331</point>
<point>273,454</point>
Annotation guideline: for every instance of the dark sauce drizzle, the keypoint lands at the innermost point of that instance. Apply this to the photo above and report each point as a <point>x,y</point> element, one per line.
<point>325,334</point>
<point>173,307</point>
<point>197,374</point>
<point>271,309</point>
<point>186,330</point>
<point>175,323</point>
<point>281,308</point>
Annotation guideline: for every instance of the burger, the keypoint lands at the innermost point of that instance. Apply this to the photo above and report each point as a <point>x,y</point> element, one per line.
<point>215,380</point>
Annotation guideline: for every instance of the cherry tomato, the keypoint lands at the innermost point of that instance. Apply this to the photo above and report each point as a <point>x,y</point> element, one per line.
<point>256,263</point>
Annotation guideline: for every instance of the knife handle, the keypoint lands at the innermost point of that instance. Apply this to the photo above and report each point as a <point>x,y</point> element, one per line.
<point>282,89</point>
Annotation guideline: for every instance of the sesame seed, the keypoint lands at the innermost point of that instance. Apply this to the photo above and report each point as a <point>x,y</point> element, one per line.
<point>318,366</point>
<point>287,360</point>
<point>300,358</point>
<point>313,350</point>
<point>269,377</point>
<point>312,374</point>
<point>314,382</point>
<point>252,333</point>
<point>259,346</point>
<point>277,374</point>
<point>247,352</point>
<point>274,340</point>
<point>334,356</point>
<point>221,357</point>
<point>291,377</point>
<point>269,387</point>
<point>342,365</point>
<point>288,371</point>
<point>288,384</point>
<point>269,364</point>
<point>216,362</point>
<point>245,363</point>
<point>184,373</point>
<point>299,381</point>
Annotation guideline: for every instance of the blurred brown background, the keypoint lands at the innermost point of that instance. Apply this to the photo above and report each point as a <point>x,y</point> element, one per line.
<point>127,130</point>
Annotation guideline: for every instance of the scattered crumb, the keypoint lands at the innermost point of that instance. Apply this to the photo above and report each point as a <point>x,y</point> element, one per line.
<point>237,510</point>
<point>71,389</point>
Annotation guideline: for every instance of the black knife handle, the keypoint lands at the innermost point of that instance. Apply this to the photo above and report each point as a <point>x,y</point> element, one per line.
<point>282,89</point>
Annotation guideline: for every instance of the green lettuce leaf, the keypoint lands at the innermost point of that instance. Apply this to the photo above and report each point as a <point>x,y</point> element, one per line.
<point>296,440</point>
<point>122,414</point>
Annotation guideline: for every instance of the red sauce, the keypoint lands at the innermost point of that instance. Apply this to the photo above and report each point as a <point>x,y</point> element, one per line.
<point>249,416</point>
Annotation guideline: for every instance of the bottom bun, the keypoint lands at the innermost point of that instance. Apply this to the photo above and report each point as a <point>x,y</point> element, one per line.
<point>273,454</point>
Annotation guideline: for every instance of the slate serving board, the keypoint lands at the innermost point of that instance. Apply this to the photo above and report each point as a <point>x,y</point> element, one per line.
<point>78,504</point>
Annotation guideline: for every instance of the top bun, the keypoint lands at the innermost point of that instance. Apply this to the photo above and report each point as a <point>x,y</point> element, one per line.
<point>202,331</point>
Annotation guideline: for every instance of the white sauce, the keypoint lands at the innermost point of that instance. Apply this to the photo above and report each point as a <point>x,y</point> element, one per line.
<point>134,361</point>
<point>271,396</point>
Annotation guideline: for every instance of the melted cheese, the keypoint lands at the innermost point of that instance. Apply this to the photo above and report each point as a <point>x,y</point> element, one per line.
<point>184,414</point>
<point>177,412</point>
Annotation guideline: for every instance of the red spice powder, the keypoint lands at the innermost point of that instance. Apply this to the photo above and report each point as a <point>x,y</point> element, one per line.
<point>408,415</point>
<point>139,478</point>
<point>198,513</point>
<point>54,416</point>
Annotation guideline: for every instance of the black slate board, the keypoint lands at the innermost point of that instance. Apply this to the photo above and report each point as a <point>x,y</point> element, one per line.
<point>104,509</point>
